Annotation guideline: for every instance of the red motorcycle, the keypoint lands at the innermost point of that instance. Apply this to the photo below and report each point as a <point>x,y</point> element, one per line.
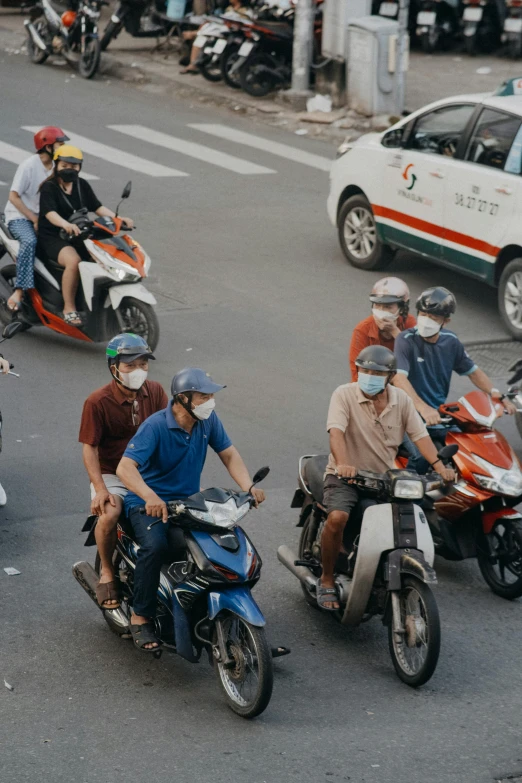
<point>476,517</point>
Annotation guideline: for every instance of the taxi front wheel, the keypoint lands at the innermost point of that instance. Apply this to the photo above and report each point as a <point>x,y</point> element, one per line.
<point>358,235</point>
<point>510,297</point>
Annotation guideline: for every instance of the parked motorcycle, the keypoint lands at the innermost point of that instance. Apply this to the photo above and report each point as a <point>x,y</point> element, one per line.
<point>73,35</point>
<point>482,23</point>
<point>389,568</point>
<point>204,597</point>
<point>479,520</point>
<point>389,9</point>
<point>437,25</point>
<point>110,296</point>
<point>512,33</point>
<point>515,392</point>
<point>212,40</point>
<point>139,18</point>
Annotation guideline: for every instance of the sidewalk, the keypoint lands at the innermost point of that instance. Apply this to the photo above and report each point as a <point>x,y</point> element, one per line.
<point>139,62</point>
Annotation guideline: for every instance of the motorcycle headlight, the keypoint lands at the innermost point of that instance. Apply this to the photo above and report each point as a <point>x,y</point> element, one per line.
<point>408,489</point>
<point>505,482</point>
<point>221,514</point>
<point>118,270</point>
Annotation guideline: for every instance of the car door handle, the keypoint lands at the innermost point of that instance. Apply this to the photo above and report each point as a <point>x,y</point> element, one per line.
<point>437,174</point>
<point>504,190</point>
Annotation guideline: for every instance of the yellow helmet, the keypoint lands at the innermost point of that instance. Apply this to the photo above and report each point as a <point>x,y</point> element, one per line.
<point>69,154</point>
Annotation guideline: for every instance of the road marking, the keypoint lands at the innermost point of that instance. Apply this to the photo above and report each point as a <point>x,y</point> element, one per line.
<point>193,150</point>
<point>259,143</point>
<point>118,157</point>
<point>16,155</point>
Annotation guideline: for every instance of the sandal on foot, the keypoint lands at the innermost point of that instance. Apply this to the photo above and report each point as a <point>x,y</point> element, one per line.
<point>327,595</point>
<point>107,591</point>
<point>278,652</point>
<point>73,318</point>
<point>14,305</point>
<point>144,634</point>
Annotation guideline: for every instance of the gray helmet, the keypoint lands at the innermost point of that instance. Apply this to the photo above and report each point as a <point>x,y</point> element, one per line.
<point>127,346</point>
<point>377,357</point>
<point>437,301</point>
<point>193,379</point>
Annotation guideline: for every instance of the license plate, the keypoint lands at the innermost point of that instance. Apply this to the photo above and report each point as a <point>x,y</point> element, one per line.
<point>472,14</point>
<point>200,41</point>
<point>388,9</point>
<point>245,49</point>
<point>513,26</point>
<point>220,45</point>
<point>426,18</point>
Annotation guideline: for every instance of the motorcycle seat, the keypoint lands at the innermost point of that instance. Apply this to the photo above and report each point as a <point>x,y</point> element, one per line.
<point>282,29</point>
<point>313,473</point>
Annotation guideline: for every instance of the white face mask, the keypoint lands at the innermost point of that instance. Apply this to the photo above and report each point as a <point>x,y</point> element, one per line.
<point>384,315</point>
<point>204,410</point>
<point>133,380</point>
<point>427,326</point>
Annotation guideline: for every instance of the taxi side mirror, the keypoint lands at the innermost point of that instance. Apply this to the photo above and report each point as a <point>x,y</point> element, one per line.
<point>393,138</point>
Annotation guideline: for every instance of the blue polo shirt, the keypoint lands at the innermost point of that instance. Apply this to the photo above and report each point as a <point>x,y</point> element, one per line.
<point>428,366</point>
<point>170,460</point>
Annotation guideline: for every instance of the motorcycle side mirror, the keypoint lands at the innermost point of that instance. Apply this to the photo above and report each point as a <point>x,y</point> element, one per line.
<point>11,329</point>
<point>447,452</point>
<point>126,190</point>
<point>261,474</point>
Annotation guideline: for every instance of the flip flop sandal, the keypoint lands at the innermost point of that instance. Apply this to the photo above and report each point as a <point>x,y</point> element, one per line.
<point>327,595</point>
<point>107,591</point>
<point>14,307</point>
<point>278,652</point>
<point>144,634</point>
<point>73,318</point>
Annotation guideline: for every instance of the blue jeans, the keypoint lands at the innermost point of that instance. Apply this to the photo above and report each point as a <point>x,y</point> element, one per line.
<point>416,461</point>
<point>152,553</point>
<point>23,231</point>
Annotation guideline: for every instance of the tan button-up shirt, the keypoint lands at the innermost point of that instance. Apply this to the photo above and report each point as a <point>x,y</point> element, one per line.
<point>371,440</point>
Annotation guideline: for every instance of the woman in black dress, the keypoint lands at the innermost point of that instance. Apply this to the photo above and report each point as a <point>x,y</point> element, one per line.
<point>60,195</point>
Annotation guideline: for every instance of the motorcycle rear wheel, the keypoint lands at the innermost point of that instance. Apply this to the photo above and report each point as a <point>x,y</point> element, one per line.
<point>506,537</point>
<point>248,646</point>
<point>303,543</point>
<point>37,55</point>
<point>90,59</point>
<point>140,318</point>
<point>254,80</point>
<point>415,659</point>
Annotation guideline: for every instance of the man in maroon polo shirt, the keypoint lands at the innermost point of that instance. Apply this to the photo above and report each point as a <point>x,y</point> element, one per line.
<point>111,417</point>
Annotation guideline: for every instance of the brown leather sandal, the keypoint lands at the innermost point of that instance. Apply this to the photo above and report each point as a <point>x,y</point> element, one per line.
<point>107,591</point>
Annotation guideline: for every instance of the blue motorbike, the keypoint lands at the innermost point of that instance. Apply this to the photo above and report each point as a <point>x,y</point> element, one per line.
<point>204,596</point>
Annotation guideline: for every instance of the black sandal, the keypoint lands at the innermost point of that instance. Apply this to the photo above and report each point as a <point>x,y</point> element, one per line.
<point>145,634</point>
<point>327,595</point>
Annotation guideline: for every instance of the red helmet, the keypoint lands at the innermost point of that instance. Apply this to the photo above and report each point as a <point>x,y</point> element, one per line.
<point>48,136</point>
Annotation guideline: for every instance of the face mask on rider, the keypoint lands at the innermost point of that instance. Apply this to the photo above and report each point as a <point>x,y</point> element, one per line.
<point>204,410</point>
<point>384,315</point>
<point>371,384</point>
<point>427,326</point>
<point>133,380</point>
<point>68,175</point>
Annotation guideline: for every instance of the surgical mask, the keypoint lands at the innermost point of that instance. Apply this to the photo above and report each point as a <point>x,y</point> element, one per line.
<point>427,326</point>
<point>384,315</point>
<point>68,175</point>
<point>204,410</point>
<point>371,384</point>
<point>133,380</point>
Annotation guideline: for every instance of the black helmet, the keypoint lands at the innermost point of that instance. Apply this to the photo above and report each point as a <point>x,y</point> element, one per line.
<point>377,357</point>
<point>437,301</point>
<point>193,379</point>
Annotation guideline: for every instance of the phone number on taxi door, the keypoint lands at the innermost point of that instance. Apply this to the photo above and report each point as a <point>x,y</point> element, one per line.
<point>471,202</point>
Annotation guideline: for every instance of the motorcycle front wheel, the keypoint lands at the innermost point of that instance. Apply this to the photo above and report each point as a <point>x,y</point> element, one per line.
<point>415,649</point>
<point>112,30</point>
<point>37,55</point>
<point>228,59</point>
<point>139,317</point>
<point>254,78</point>
<point>90,58</point>
<point>247,683</point>
<point>504,576</point>
<point>210,69</point>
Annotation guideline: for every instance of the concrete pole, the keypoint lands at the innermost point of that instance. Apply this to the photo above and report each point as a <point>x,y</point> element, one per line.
<point>303,45</point>
<point>402,44</point>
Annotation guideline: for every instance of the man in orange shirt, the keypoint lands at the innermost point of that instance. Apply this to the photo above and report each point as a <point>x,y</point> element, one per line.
<point>390,298</point>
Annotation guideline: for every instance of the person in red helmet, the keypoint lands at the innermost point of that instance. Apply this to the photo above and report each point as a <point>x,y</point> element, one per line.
<point>390,299</point>
<point>21,211</point>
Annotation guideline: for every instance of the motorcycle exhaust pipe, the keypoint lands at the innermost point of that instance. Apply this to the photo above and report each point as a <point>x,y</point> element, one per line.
<point>35,35</point>
<point>87,577</point>
<point>287,558</point>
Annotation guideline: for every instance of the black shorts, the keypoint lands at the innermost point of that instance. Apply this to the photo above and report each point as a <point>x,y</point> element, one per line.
<point>50,247</point>
<point>339,496</point>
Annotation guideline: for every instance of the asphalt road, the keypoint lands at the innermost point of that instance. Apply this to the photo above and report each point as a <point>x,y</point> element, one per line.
<point>252,286</point>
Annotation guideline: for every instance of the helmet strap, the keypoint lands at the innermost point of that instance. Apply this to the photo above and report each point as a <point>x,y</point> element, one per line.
<point>187,405</point>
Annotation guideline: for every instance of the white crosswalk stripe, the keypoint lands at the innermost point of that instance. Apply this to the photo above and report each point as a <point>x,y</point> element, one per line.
<point>260,143</point>
<point>17,155</point>
<point>193,150</point>
<point>118,157</point>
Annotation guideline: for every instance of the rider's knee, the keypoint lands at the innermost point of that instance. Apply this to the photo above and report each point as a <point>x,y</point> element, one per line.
<point>110,517</point>
<point>337,521</point>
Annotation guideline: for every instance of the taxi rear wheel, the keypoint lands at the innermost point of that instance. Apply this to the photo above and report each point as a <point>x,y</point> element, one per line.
<point>358,235</point>
<point>510,297</point>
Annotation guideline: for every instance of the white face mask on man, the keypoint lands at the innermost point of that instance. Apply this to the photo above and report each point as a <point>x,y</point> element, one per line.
<point>204,410</point>
<point>427,326</point>
<point>133,380</point>
<point>384,315</point>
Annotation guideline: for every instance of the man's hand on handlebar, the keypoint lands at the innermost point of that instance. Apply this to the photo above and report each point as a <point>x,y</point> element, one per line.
<point>447,474</point>
<point>346,471</point>
<point>156,507</point>
<point>127,222</point>
<point>509,407</point>
<point>72,229</point>
<point>430,415</point>
<point>258,495</point>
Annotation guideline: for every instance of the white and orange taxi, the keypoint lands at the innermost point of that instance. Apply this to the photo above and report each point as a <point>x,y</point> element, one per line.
<point>444,182</point>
